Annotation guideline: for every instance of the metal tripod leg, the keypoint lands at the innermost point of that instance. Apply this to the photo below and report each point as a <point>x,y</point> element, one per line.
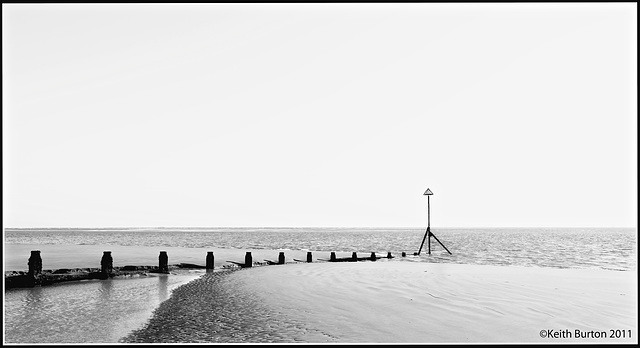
<point>423,239</point>
<point>445,248</point>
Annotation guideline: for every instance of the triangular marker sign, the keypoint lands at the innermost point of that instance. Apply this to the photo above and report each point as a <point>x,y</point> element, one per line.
<point>428,192</point>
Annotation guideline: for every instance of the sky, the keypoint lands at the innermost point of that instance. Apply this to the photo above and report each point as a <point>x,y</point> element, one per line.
<point>314,115</point>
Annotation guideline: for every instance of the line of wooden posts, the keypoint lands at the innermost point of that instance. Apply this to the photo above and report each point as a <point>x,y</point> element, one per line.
<point>106,263</point>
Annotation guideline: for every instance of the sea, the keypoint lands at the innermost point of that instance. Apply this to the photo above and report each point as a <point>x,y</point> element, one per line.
<point>105,311</point>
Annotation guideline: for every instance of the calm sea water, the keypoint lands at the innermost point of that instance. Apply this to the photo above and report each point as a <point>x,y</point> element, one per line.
<point>612,248</point>
<point>104,311</point>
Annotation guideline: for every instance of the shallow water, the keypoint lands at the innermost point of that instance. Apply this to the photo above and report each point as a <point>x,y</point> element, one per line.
<point>85,311</point>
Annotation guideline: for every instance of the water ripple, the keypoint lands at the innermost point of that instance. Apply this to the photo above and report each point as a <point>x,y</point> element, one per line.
<point>572,248</point>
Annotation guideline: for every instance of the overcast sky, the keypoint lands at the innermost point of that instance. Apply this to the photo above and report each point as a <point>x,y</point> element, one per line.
<point>319,115</point>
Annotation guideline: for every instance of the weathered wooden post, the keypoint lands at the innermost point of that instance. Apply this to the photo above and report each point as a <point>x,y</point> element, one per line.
<point>35,263</point>
<point>248,260</point>
<point>389,256</point>
<point>281,258</point>
<point>354,256</point>
<point>309,257</point>
<point>163,262</point>
<point>373,256</point>
<point>209,260</point>
<point>106,264</point>
<point>333,256</point>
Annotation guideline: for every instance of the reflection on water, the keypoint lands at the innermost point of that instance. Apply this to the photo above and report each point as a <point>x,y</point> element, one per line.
<point>87,311</point>
<point>163,291</point>
<point>105,289</point>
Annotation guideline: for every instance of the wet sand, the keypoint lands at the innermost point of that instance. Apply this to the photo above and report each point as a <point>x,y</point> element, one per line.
<point>217,308</point>
<point>395,301</point>
<point>418,302</point>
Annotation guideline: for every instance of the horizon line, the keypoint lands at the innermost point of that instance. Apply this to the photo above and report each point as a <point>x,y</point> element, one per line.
<point>296,227</point>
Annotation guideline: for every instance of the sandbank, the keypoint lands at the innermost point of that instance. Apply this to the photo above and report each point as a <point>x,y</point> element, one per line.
<point>419,302</point>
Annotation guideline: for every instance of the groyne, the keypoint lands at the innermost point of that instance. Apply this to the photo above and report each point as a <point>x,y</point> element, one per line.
<point>37,276</point>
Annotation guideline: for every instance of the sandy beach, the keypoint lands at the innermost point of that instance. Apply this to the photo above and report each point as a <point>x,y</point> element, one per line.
<point>396,301</point>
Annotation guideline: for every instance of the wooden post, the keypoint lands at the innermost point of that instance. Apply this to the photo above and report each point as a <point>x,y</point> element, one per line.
<point>281,258</point>
<point>354,256</point>
<point>389,256</point>
<point>35,263</point>
<point>333,256</point>
<point>163,262</point>
<point>210,259</point>
<point>373,256</point>
<point>106,263</point>
<point>248,260</point>
<point>309,258</point>
<point>404,254</point>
